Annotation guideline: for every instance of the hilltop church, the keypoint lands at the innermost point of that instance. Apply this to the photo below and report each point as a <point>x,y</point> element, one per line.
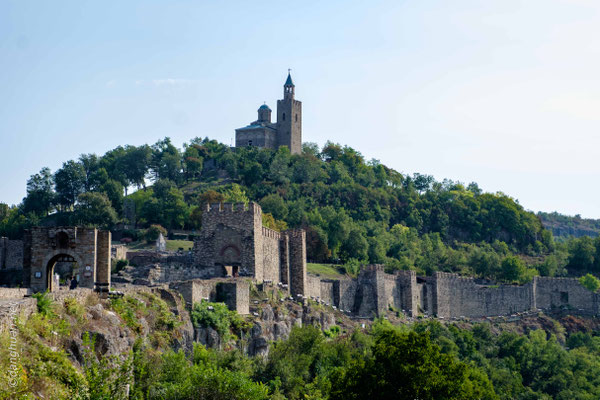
<point>287,131</point>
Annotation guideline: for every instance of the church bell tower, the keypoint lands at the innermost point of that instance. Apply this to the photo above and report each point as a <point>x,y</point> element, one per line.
<point>289,118</point>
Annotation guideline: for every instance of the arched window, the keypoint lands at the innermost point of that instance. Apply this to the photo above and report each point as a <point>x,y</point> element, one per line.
<point>249,142</point>
<point>296,117</point>
<point>283,117</point>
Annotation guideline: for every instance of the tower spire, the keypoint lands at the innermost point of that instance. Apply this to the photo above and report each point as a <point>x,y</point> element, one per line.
<point>288,86</point>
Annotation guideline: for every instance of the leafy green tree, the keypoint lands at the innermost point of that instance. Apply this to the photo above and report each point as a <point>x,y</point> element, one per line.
<point>236,195</point>
<point>40,193</point>
<point>95,209</point>
<point>513,269</point>
<point>275,205</point>
<point>90,163</point>
<point>153,232</point>
<point>355,246</point>
<point>136,162</point>
<point>70,183</point>
<point>408,366</point>
<point>168,207</point>
<point>582,253</point>
<point>193,162</point>
<point>165,161</point>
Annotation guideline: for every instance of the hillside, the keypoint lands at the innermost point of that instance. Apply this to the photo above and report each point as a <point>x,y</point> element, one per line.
<point>564,226</point>
<point>75,345</point>
<point>354,211</point>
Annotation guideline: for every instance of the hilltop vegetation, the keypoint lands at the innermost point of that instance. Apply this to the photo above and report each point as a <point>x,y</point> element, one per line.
<point>564,226</point>
<point>355,211</point>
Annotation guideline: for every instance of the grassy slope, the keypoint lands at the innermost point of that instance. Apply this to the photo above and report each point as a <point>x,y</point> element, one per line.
<point>324,270</point>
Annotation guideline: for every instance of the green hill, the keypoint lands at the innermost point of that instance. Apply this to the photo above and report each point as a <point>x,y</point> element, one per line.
<point>354,211</point>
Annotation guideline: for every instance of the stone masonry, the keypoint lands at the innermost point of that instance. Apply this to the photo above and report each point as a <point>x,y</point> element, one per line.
<point>88,247</point>
<point>233,242</point>
<point>447,295</point>
<point>287,131</point>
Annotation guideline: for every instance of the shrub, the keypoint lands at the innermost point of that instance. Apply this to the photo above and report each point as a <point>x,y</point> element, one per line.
<point>154,231</point>
<point>590,282</point>
<point>45,304</point>
<point>218,317</point>
<point>120,264</point>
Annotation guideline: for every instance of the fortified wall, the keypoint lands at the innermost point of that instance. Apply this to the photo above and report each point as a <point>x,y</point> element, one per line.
<point>11,261</point>
<point>233,242</point>
<point>447,295</point>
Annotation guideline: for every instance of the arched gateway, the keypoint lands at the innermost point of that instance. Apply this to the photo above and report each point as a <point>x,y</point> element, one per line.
<point>87,248</point>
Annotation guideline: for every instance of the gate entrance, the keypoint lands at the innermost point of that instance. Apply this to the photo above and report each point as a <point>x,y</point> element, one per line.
<point>87,249</point>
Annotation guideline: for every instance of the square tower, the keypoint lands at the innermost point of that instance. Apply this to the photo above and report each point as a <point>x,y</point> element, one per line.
<point>289,119</point>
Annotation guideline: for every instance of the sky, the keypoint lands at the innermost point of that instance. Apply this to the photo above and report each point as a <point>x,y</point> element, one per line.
<point>504,93</point>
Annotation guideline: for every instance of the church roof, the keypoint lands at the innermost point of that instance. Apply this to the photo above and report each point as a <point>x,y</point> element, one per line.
<point>263,107</point>
<point>257,125</point>
<point>288,81</point>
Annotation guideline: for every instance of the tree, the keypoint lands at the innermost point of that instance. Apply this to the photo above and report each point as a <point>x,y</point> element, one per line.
<point>70,183</point>
<point>581,254</point>
<point>275,205</point>
<point>90,163</point>
<point>40,194</point>
<point>154,232</point>
<point>165,161</point>
<point>136,161</point>
<point>193,162</point>
<point>95,209</point>
<point>355,246</point>
<point>408,366</point>
<point>236,195</point>
<point>513,269</point>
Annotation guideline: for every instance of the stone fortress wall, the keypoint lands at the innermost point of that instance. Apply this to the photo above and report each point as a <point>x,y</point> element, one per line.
<point>447,295</point>
<point>233,250</point>
<point>11,261</point>
<point>233,242</point>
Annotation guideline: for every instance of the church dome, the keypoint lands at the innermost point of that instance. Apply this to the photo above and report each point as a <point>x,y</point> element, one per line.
<point>264,107</point>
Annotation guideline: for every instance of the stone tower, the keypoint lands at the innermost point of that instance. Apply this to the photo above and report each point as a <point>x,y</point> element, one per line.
<point>289,119</point>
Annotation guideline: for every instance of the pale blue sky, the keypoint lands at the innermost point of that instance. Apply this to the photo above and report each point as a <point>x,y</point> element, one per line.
<point>504,93</point>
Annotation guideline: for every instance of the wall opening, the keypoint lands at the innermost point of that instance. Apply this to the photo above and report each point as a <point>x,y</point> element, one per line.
<point>62,276</point>
<point>564,297</point>
<point>62,240</point>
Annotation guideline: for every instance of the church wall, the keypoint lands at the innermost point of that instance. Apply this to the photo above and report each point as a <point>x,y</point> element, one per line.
<point>260,137</point>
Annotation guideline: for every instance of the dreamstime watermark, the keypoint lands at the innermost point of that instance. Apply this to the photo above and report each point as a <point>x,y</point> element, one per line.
<point>15,355</point>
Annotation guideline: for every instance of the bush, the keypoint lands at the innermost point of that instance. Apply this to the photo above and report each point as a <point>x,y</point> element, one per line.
<point>218,317</point>
<point>45,304</point>
<point>120,264</point>
<point>153,232</point>
<point>590,282</point>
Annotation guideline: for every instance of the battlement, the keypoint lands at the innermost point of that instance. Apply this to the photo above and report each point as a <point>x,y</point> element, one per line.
<point>232,208</point>
<point>373,267</point>
<point>556,279</point>
<point>406,273</point>
<point>296,233</point>
<point>270,233</point>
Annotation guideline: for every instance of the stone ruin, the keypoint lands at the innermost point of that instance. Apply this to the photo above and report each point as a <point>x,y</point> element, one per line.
<point>233,251</point>
<point>32,261</point>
